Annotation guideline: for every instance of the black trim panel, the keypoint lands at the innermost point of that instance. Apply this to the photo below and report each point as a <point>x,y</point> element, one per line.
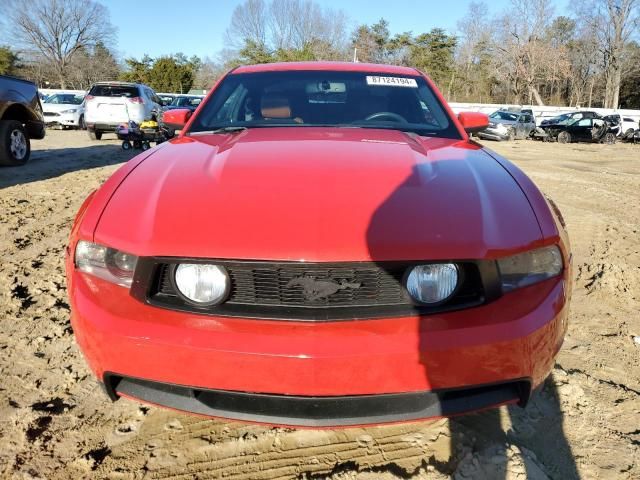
<point>479,284</point>
<point>308,411</point>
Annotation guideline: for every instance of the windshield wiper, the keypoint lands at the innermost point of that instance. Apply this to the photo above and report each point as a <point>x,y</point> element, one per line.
<point>227,129</point>
<point>400,128</point>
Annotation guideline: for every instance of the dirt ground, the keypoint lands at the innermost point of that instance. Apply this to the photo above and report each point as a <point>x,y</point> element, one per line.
<point>55,423</point>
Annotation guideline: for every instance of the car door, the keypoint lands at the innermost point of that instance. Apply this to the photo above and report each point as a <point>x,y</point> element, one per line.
<point>530,125</point>
<point>581,130</point>
<point>524,125</point>
<point>148,103</point>
<point>157,103</point>
<point>575,116</point>
<point>520,126</point>
<point>629,124</point>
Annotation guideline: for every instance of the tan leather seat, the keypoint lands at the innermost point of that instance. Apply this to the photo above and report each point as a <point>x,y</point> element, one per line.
<point>276,107</point>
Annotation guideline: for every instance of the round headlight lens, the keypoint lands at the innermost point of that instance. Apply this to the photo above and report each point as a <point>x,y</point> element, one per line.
<point>432,283</point>
<point>201,283</point>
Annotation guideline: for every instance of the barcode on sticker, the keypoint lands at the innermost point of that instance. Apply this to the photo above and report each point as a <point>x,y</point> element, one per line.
<point>392,81</point>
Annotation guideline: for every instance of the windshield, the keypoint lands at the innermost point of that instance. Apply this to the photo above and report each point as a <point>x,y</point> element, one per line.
<point>65,98</point>
<point>566,118</point>
<point>186,101</point>
<point>114,91</point>
<point>513,117</point>
<point>325,98</point>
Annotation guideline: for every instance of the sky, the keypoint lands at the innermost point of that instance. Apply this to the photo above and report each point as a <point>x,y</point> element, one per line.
<point>196,27</point>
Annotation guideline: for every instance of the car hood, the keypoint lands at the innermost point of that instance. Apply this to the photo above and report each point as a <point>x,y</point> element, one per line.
<point>319,194</point>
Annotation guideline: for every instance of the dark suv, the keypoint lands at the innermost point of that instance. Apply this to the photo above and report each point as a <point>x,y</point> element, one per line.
<point>20,119</point>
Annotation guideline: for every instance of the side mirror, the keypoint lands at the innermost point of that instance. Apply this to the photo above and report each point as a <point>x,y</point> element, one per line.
<point>473,122</point>
<point>177,118</point>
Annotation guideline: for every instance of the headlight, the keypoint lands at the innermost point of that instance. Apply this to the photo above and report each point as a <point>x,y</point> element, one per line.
<point>530,267</point>
<point>202,284</point>
<point>106,263</point>
<point>72,110</point>
<point>492,125</point>
<point>432,283</point>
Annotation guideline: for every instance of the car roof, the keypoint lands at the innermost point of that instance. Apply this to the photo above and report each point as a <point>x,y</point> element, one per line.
<point>333,66</point>
<point>127,84</point>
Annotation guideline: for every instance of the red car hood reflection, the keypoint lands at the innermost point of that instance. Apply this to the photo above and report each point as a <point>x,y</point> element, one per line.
<point>319,194</point>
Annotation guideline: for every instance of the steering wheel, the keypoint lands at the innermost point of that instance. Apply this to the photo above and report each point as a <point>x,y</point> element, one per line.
<point>394,117</point>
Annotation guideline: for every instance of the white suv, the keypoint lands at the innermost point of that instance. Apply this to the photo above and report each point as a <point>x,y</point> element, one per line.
<point>109,104</point>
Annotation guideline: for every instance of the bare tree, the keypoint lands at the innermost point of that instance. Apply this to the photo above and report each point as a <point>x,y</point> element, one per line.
<point>248,23</point>
<point>585,67</point>
<point>473,52</point>
<point>522,52</point>
<point>207,74</point>
<point>289,25</point>
<point>297,23</point>
<point>58,29</point>
<point>614,22</point>
<point>88,67</point>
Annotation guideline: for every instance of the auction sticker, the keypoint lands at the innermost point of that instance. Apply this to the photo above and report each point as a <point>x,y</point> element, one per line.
<point>392,81</point>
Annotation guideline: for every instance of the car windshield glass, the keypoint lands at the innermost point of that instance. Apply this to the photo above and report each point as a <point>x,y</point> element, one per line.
<point>186,101</point>
<point>65,98</point>
<point>325,98</point>
<point>513,117</point>
<point>114,91</point>
<point>563,119</point>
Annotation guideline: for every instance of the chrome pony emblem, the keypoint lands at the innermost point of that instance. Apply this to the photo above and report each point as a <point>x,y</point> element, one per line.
<point>316,289</point>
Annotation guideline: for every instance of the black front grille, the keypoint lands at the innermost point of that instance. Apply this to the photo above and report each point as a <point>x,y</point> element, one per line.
<point>308,291</point>
<point>284,285</point>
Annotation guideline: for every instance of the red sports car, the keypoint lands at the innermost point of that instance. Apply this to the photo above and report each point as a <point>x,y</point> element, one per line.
<point>322,245</point>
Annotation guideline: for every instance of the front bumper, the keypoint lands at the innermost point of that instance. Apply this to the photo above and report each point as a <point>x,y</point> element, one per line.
<point>65,120</point>
<point>316,411</point>
<point>103,126</point>
<point>494,134</point>
<point>140,351</point>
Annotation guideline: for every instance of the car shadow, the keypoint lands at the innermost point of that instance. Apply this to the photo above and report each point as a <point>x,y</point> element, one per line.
<point>486,444</point>
<point>534,434</point>
<point>51,163</point>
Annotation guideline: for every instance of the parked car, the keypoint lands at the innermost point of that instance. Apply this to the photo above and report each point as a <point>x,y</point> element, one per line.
<point>184,101</point>
<point>632,136</point>
<point>507,125</point>
<point>20,119</point>
<point>566,118</point>
<point>109,104</point>
<point>595,130</point>
<point>64,110</point>
<point>321,245</point>
<point>167,98</point>
<point>625,126</point>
